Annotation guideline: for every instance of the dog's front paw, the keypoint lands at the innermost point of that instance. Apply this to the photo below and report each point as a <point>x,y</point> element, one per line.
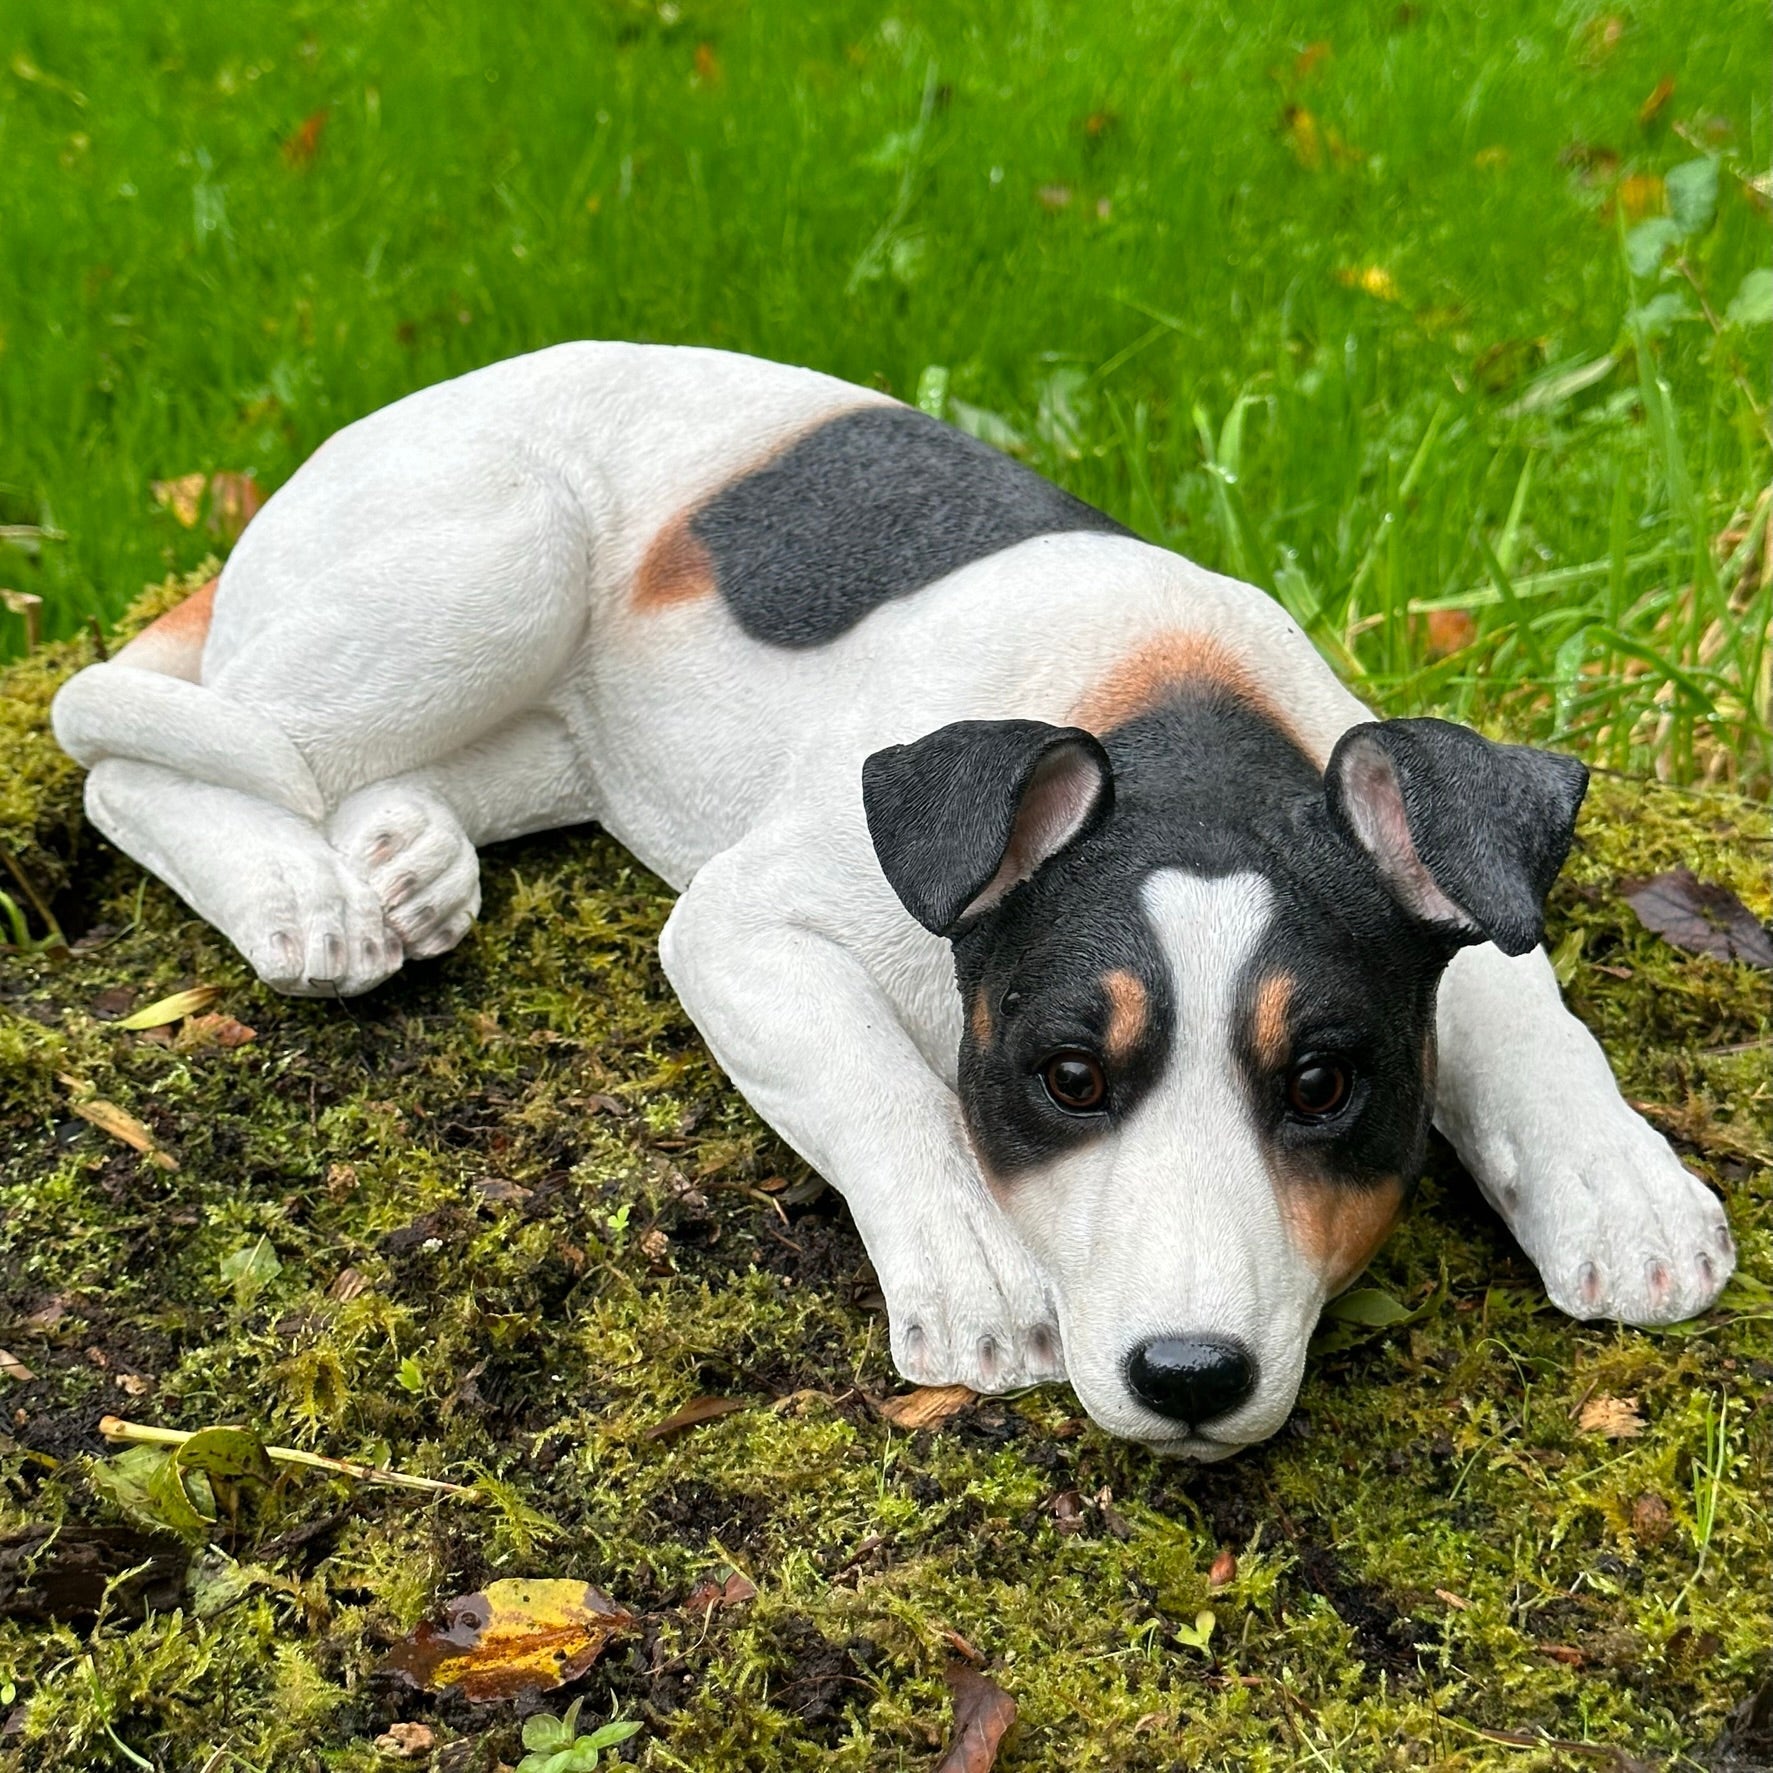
<point>965,1303</point>
<point>1616,1226</point>
<point>412,850</point>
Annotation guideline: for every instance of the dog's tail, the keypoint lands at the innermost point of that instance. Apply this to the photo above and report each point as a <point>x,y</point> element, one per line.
<point>149,704</point>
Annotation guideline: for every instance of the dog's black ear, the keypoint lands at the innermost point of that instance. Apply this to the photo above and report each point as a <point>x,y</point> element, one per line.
<point>969,811</point>
<point>1468,835</point>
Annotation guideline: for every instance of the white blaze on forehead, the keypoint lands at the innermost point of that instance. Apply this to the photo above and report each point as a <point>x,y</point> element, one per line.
<point>1209,929</point>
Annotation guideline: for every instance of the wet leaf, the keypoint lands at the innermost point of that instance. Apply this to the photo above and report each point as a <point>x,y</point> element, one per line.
<point>693,1414</point>
<point>927,1407</point>
<point>1652,107</point>
<point>515,1637</point>
<point>231,1453</point>
<point>709,1594</point>
<point>11,1367</point>
<point>234,500</point>
<point>201,1033</point>
<point>303,142</point>
<point>1365,1312</point>
<point>183,1500</point>
<point>1698,917</point>
<point>182,496</point>
<point>251,1270</point>
<point>1616,1418</point>
<point>172,1009</point>
<point>983,1714</point>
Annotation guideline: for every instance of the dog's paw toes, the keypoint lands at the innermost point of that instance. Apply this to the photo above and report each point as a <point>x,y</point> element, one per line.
<point>1628,1234</point>
<point>321,933</point>
<point>968,1333</point>
<point>411,849</point>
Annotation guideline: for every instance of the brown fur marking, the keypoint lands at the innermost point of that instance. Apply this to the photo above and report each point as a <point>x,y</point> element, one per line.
<point>981,1019</point>
<point>1337,1229</point>
<point>675,568</point>
<point>1127,1012</point>
<point>1142,678</point>
<point>173,643</point>
<point>1268,1024</point>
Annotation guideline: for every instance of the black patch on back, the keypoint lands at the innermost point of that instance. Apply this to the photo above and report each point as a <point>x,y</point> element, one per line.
<point>870,506</point>
<point>1203,783</point>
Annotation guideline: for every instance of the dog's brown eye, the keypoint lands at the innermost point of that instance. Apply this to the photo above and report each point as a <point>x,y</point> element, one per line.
<point>1317,1086</point>
<point>1075,1082</point>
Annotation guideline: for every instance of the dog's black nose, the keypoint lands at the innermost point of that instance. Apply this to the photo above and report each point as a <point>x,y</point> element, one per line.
<point>1192,1379</point>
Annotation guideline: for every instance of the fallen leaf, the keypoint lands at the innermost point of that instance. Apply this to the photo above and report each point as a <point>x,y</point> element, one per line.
<point>709,1594</point>
<point>1640,195</point>
<point>121,1124</point>
<point>182,496</point>
<point>1618,1418</point>
<point>1068,1511</point>
<point>514,1637</point>
<point>693,1414</point>
<point>303,142</point>
<point>13,1368</point>
<point>1306,62</point>
<point>1457,1602</point>
<point>1698,917</point>
<point>1449,631</point>
<point>49,1314</point>
<point>234,500</point>
<point>1374,279</point>
<point>1565,1653</point>
<point>1224,1569</point>
<point>202,1032</point>
<point>406,1742</point>
<point>495,1190</point>
<point>1652,107</point>
<point>983,1714</point>
<point>929,1406</point>
<point>174,1008</point>
<point>1303,136</point>
<point>1651,1518</point>
<point>112,1002</point>
<point>348,1284</point>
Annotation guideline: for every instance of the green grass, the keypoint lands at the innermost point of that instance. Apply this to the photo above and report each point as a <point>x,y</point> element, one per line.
<point>1302,312</point>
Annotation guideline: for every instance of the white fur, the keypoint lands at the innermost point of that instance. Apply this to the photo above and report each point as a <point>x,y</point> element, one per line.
<point>429,628</point>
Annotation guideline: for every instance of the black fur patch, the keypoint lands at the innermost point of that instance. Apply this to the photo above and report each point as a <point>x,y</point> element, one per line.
<point>868,507</point>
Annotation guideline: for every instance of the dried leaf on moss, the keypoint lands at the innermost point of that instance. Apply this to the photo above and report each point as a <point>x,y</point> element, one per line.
<point>513,1638</point>
<point>693,1414</point>
<point>1618,1418</point>
<point>929,1406</point>
<point>1698,917</point>
<point>983,1714</point>
<point>173,1009</point>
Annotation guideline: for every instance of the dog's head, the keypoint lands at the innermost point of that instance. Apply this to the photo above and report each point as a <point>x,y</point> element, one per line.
<point>1198,978</point>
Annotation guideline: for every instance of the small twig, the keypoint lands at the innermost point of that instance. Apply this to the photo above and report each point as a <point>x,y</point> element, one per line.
<point>29,889</point>
<point>114,1428</point>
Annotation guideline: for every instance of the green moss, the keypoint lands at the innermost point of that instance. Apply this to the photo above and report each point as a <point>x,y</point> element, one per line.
<point>490,1144</point>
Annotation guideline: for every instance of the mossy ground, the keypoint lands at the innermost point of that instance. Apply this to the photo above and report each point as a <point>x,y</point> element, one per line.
<point>487,1143</point>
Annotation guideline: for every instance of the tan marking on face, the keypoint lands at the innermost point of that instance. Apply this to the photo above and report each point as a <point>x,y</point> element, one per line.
<point>1156,668</point>
<point>675,569</point>
<point>173,643</point>
<point>981,1019</point>
<point>1268,1023</point>
<point>1337,1229</point>
<point>1128,1010</point>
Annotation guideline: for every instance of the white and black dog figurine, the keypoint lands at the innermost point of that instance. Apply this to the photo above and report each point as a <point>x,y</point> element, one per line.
<point>1046,893</point>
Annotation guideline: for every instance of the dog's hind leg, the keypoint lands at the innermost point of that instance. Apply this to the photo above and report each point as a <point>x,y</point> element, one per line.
<point>265,877</point>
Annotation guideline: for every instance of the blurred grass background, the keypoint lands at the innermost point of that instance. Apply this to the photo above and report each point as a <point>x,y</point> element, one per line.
<point>1338,298</point>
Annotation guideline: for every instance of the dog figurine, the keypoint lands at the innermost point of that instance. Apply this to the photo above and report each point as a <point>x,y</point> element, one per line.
<point>1048,894</point>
